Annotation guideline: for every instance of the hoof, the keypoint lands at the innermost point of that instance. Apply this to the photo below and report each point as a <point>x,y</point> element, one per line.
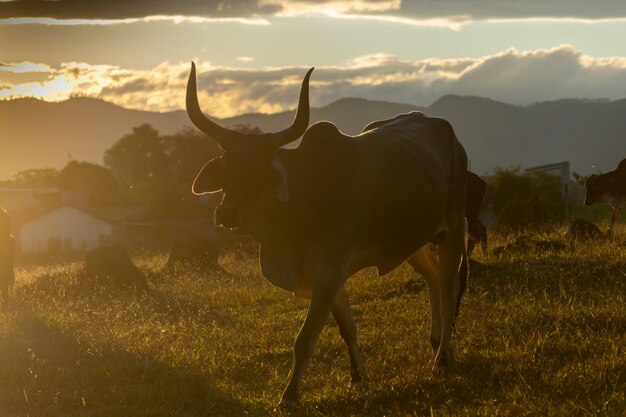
<point>439,370</point>
<point>358,382</point>
<point>443,360</point>
<point>442,366</point>
<point>286,405</point>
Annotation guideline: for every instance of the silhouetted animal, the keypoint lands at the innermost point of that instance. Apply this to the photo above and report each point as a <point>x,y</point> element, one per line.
<point>519,214</point>
<point>528,244</point>
<point>608,188</point>
<point>582,230</point>
<point>475,189</point>
<point>338,204</point>
<point>7,254</point>
<point>201,253</point>
<point>111,264</point>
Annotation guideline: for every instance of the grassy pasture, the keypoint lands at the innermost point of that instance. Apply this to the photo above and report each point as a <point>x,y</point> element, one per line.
<point>539,334</point>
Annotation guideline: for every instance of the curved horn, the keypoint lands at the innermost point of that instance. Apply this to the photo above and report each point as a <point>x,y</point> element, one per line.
<point>301,121</point>
<point>195,113</point>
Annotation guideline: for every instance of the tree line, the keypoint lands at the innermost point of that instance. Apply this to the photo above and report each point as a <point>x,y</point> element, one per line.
<point>148,169</point>
<point>142,168</point>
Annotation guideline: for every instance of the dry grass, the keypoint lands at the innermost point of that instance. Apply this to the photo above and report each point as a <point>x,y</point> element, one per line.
<point>538,334</point>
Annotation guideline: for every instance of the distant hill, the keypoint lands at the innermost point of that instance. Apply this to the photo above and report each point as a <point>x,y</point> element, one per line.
<point>591,135</point>
<point>37,134</point>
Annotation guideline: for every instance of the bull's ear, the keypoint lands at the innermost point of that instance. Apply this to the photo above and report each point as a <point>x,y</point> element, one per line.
<point>280,186</point>
<point>209,179</point>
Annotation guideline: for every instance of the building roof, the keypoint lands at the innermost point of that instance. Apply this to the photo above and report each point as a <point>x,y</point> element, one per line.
<point>111,215</point>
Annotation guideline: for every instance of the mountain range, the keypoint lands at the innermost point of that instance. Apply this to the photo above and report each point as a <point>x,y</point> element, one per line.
<point>591,135</point>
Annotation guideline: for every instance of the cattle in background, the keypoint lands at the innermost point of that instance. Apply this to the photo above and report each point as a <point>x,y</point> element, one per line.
<point>608,188</point>
<point>112,265</point>
<point>338,204</point>
<point>524,245</point>
<point>583,230</point>
<point>475,189</point>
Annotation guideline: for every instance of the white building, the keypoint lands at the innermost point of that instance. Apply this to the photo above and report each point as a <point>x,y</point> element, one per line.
<point>60,228</point>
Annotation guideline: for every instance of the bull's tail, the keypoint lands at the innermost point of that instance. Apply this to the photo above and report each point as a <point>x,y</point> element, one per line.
<point>463,274</point>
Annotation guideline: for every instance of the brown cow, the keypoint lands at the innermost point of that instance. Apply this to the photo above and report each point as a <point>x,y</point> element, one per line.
<point>608,188</point>
<point>475,188</point>
<point>111,264</point>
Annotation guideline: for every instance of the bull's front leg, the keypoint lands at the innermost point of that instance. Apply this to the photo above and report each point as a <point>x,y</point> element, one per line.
<point>342,312</point>
<point>322,298</point>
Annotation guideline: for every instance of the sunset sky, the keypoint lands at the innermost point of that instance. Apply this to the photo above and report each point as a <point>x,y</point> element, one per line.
<point>252,54</point>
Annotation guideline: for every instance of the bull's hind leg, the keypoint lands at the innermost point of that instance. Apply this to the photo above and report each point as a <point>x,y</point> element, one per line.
<point>451,252</point>
<point>425,263</point>
<point>347,328</point>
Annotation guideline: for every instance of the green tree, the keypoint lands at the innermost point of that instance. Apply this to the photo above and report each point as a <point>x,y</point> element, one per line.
<point>98,181</point>
<point>159,170</point>
<point>139,162</point>
<point>187,151</point>
<point>506,185</point>
<point>246,128</point>
<point>579,178</point>
<point>35,178</point>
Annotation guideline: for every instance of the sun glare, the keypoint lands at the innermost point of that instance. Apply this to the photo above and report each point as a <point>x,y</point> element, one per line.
<point>57,89</point>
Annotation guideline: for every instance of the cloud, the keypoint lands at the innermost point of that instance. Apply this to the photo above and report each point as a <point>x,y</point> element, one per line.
<point>526,77</point>
<point>12,74</point>
<point>23,67</point>
<point>177,19</point>
<point>517,77</point>
<point>512,9</point>
<point>456,10</point>
<point>299,7</point>
<point>124,9</point>
<point>448,12</point>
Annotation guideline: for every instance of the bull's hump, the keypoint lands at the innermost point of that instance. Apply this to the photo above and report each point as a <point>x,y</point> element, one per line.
<point>322,134</point>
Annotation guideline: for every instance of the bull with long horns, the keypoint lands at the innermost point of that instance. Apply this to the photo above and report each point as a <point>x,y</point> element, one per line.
<point>337,204</point>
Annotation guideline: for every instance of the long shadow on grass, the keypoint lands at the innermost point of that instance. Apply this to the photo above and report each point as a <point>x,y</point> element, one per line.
<point>52,373</point>
<point>477,381</point>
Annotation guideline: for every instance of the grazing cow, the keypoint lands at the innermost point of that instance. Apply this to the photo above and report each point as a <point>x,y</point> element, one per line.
<point>338,204</point>
<point>111,264</point>
<point>583,230</point>
<point>608,188</point>
<point>475,188</point>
